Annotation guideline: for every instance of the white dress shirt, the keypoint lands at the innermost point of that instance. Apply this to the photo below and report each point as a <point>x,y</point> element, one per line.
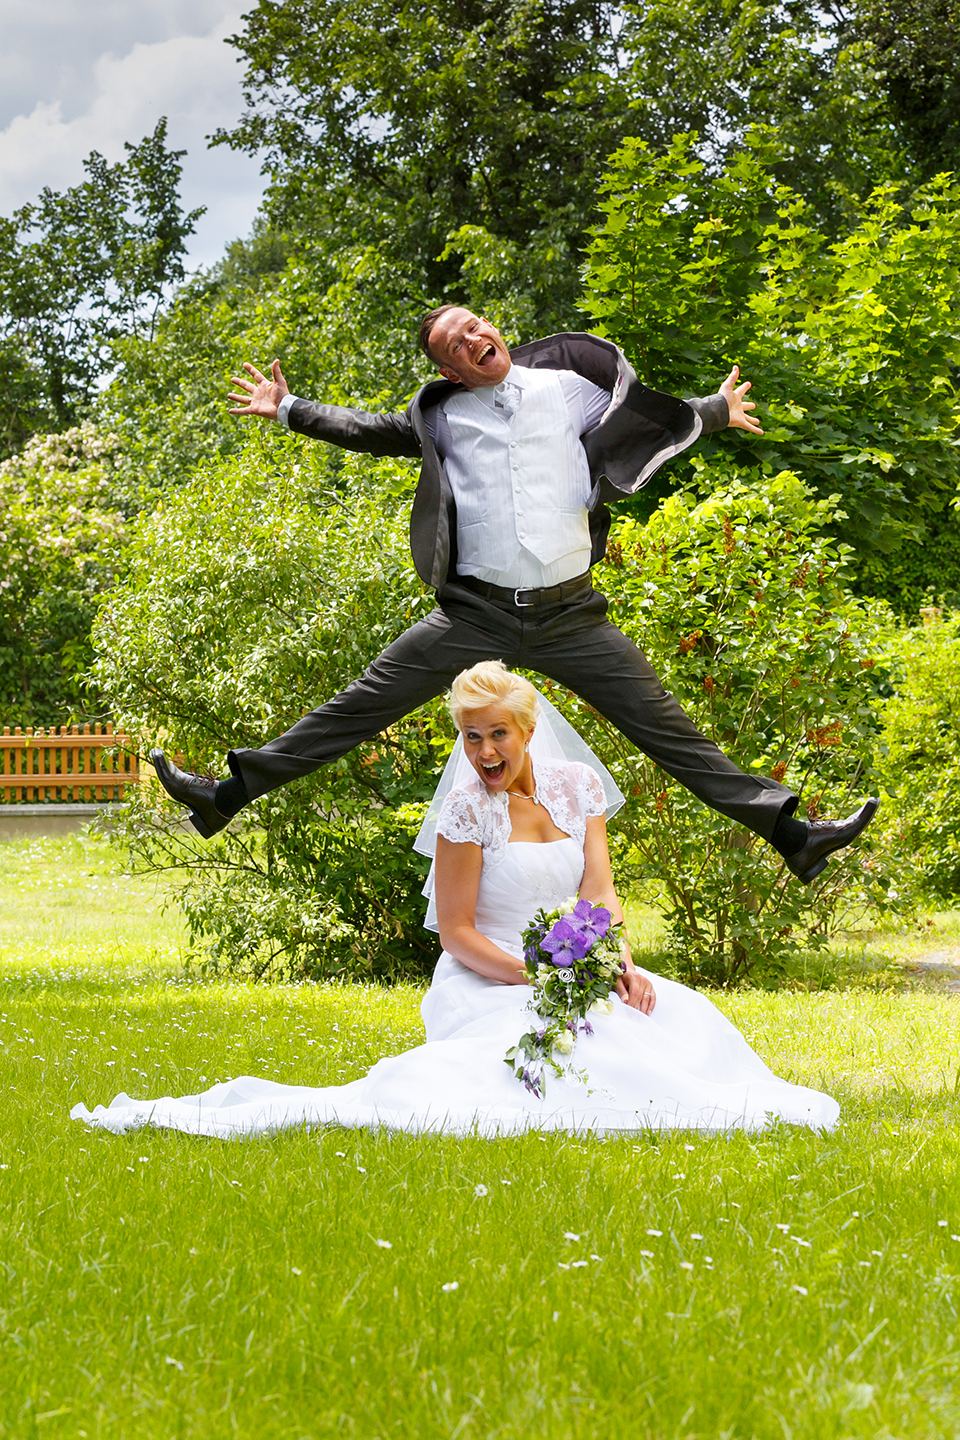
<point>518,473</point>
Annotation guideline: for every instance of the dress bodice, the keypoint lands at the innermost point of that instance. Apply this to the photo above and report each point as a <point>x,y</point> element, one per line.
<point>568,790</point>
<point>530,876</point>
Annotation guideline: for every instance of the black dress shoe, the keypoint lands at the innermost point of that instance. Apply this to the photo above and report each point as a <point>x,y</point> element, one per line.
<point>825,836</point>
<point>197,791</point>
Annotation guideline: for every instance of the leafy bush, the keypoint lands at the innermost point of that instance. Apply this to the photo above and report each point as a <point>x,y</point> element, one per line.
<point>919,755</point>
<point>62,534</point>
<point>740,602</point>
<point>269,581</point>
<point>256,591</point>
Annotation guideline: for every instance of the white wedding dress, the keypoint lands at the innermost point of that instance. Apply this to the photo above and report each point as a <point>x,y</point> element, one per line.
<point>682,1067</point>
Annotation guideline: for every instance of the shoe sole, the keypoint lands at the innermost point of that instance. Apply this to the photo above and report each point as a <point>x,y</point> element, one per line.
<point>808,876</point>
<point>201,826</point>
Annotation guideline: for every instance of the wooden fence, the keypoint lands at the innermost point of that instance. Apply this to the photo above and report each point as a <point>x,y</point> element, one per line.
<point>69,764</point>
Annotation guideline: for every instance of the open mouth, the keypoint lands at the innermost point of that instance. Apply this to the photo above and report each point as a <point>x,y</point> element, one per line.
<point>493,772</point>
<point>487,355</point>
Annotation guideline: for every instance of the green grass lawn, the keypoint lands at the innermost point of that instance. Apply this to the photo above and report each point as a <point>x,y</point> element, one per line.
<point>348,1284</point>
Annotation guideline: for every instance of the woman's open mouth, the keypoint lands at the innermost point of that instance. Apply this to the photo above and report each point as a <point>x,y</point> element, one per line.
<point>493,772</point>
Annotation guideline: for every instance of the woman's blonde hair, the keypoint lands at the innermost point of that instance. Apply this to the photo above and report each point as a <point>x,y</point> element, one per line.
<point>491,683</point>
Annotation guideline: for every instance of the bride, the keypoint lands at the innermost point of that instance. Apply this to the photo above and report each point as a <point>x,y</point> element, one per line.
<point>518,823</point>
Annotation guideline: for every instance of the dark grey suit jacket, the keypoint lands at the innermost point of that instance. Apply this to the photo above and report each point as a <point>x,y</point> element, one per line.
<point>640,431</point>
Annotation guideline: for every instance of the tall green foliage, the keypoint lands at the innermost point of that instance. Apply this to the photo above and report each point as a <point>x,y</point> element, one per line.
<point>63,526</point>
<point>257,590</point>
<point>919,754</point>
<point>337,326</point>
<point>739,600</point>
<point>852,345</point>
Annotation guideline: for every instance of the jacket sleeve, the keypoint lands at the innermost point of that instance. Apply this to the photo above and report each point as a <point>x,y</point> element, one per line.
<point>355,429</point>
<point>714,413</point>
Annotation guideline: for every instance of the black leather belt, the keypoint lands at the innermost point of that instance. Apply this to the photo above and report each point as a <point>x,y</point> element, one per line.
<point>550,595</point>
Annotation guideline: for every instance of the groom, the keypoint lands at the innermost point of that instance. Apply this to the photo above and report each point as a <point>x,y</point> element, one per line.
<point>519,452</point>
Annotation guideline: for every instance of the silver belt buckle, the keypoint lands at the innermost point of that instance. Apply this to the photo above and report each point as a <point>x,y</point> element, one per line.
<point>523,604</point>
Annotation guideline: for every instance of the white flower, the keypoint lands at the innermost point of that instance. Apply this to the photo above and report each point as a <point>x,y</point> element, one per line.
<point>295,1271</point>
<point>685,1265</point>
<point>451,1285</point>
<point>569,905</point>
<point>569,1235</point>
<point>479,1189</point>
<point>384,1245</point>
<point>655,1232</point>
<point>563,1044</point>
<point>649,1254</point>
<point>601,1007</point>
<point>800,1289</point>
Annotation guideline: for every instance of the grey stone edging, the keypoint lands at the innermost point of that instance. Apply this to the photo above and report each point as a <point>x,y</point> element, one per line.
<point>78,808</point>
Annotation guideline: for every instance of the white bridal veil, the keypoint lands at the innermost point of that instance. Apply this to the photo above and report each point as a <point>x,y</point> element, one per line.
<point>553,739</point>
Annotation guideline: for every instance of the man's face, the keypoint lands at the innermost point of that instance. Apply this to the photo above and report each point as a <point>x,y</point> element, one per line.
<point>468,350</point>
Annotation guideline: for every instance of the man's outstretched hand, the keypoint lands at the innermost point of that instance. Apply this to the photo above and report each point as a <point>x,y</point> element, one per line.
<point>261,396</point>
<point>737,405</point>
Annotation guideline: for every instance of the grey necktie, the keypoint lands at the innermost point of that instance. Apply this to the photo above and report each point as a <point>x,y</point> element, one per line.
<point>506,399</point>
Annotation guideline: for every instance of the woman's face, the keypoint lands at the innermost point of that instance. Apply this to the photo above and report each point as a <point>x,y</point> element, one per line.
<point>495,745</point>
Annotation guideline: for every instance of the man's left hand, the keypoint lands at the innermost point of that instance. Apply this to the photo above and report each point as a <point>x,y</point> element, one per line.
<point>737,405</point>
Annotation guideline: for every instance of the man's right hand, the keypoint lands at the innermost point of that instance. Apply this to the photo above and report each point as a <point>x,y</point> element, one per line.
<point>261,396</point>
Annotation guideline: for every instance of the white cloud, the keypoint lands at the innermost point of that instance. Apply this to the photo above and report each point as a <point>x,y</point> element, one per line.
<point>192,79</point>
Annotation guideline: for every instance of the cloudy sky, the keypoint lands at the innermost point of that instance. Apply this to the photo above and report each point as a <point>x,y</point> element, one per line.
<point>82,75</point>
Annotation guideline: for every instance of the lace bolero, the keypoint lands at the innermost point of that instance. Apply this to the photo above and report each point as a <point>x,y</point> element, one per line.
<point>569,791</point>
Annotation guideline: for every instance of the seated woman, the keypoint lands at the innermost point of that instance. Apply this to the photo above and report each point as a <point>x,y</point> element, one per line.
<point>517,828</point>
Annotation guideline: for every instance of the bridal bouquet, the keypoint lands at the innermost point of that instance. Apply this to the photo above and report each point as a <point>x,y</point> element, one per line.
<point>572,955</point>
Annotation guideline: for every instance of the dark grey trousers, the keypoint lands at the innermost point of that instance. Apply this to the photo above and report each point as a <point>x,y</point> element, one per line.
<point>574,644</point>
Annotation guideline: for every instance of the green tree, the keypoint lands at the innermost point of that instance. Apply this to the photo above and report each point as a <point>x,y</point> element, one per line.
<point>339,327</point>
<point>852,344</point>
<point>63,523</point>
<point>394,127</point>
<point>78,269</point>
<point>916,45</point>
<point>721,70</point>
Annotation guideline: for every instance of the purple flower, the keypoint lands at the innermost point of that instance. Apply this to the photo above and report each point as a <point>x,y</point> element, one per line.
<point>565,943</point>
<point>593,921</point>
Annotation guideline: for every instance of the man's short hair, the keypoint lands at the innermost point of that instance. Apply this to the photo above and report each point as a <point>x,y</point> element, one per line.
<point>427,324</point>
